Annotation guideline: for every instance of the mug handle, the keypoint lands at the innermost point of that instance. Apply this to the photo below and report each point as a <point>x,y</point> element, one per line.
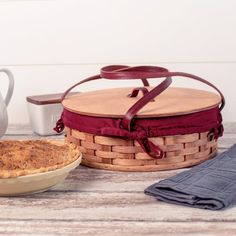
<point>10,87</point>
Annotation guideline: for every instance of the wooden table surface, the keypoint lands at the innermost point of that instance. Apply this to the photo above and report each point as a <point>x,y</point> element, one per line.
<point>97,202</point>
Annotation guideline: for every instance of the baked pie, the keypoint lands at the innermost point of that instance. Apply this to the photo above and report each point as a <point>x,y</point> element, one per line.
<point>19,158</point>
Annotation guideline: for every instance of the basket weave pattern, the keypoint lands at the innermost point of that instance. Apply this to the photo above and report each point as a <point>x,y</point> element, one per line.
<point>113,153</point>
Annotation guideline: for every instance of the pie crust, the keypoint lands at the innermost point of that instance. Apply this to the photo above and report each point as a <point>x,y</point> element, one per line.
<point>19,158</point>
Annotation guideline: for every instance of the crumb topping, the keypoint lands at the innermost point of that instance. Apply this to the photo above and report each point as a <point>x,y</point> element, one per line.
<point>31,155</point>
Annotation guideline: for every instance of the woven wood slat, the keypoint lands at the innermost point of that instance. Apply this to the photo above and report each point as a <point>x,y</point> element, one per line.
<point>173,147</point>
<point>113,153</point>
<point>187,138</point>
<point>142,156</point>
<point>112,141</point>
<point>127,149</point>
<point>199,154</point>
<point>172,160</point>
<point>197,143</point>
<point>76,134</point>
<point>148,167</point>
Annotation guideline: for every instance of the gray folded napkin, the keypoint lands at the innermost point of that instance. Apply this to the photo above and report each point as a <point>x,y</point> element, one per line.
<point>210,185</point>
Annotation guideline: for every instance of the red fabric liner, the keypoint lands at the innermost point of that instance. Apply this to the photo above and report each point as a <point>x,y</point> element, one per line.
<point>161,126</point>
<point>142,128</point>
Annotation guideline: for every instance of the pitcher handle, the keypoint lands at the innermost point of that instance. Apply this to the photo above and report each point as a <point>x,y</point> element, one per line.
<point>10,87</point>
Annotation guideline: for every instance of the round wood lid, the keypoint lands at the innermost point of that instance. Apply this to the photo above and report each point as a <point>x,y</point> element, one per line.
<point>116,102</point>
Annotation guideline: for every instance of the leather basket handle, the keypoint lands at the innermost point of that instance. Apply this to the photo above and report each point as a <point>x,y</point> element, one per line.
<point>127,120</point>
<point>149,72</point>
<point>104,75</point>
<point>118,72</point>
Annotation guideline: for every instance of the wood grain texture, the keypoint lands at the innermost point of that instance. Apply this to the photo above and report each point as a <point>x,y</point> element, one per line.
<point>112,153</point>
<point>115,228</point>
<point>103,202</point>
<point>65,76</point>
<point>79,38</point>
<point>116,102</point>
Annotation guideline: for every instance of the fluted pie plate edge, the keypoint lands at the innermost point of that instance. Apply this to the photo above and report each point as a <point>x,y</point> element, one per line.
<point>35,183</point>
<point>40,179</point>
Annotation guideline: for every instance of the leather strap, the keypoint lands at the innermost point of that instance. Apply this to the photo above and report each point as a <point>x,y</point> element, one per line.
<point>149,72</point>
<point>135,91</point>
<point>107,69</point>
<point>126,122</point>
<point>153,72</point>
<point>116,68</point>
<point>95,77</point>
<point>121,68</point>
<point>126,72</point>
<point>117,72</point>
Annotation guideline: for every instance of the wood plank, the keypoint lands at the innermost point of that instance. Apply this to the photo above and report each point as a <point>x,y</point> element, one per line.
<point>19,131</point>
<point>93,190</point>
<point>90,206</point>
<point>100,228</point>
<point>84,179</point>
<point>229,127</point>
<point>37,76</point>
<point>227,140</point>
<point>53,32</point>
<point>31,136</point>
<point>224,143</point>
<point>100,202</point>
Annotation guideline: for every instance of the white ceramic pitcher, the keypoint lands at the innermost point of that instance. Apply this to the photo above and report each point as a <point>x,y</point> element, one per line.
<point>4,102</point>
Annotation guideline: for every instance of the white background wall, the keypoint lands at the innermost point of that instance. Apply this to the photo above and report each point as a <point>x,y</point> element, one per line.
<point>51,44</point>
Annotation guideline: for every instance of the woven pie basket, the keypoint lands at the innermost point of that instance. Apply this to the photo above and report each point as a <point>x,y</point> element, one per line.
<point>143,128</point>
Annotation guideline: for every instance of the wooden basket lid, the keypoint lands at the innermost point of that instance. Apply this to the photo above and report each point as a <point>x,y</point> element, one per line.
<point>116,102</point>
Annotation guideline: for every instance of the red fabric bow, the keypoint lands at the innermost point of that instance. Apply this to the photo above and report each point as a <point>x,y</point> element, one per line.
<point>139,135</point>
<point>204,121</point>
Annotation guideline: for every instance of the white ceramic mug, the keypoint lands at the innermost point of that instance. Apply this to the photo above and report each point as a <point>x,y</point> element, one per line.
<point>5,101</point>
